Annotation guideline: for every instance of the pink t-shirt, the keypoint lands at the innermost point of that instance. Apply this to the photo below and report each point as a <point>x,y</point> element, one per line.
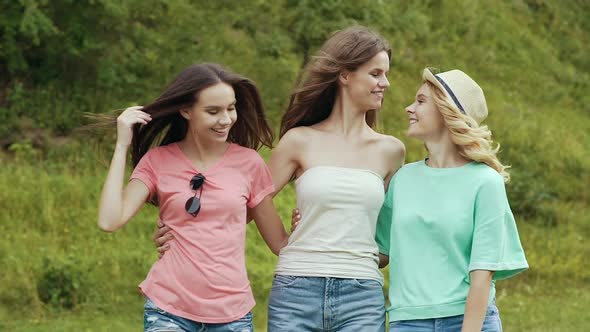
<point>203,276</point>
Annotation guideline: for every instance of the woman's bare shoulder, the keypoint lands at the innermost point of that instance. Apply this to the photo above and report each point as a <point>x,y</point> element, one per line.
<point>393,150</point>
<point>391,145</point>
<point>298,136</point>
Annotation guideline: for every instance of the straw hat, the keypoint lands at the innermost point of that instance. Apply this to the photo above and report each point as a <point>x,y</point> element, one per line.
<point>461,91</point>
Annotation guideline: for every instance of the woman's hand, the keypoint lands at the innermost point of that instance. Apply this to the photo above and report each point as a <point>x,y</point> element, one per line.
<point>161,236</point>
<point>119,203</point>
<point>295,219</point>
<point>125,122</point>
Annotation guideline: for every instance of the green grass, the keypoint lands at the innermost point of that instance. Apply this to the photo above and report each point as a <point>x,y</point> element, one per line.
<point>545,305</point>
<point>49,225</point>
<point>529,56</point>
<point>85,321</point>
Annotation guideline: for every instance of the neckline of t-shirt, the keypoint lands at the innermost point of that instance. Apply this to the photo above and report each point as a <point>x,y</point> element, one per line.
<point>445,169</point>
<point>215,165</point>
<point>365,170</point>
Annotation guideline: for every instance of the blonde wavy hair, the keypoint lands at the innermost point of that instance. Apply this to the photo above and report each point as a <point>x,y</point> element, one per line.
<point>473,140</point>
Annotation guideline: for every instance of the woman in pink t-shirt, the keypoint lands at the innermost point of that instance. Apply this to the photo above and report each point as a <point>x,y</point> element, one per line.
<point>193,150</point>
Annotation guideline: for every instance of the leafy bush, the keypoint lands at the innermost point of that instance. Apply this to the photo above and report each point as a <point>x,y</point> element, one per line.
<point>62,282</point>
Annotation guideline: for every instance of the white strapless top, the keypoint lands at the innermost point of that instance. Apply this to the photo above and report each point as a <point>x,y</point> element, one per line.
<point>336,235</point>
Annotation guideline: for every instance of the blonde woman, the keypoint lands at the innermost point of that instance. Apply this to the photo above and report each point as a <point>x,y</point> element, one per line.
<point>446,221</point>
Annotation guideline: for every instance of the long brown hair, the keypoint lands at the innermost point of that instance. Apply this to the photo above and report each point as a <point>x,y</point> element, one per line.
<point>314,96</point>
<point>168,126</point>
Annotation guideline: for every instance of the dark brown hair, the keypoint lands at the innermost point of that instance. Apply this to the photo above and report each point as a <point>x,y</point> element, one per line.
<point>314,96</point>
<point>168,126</point>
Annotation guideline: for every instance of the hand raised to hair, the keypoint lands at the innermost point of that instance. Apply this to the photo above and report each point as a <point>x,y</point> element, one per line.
<point>125,122</point>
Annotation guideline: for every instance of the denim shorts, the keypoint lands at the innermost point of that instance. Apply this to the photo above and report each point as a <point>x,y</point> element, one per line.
<point>156,319</point>
<point>491,323</point>
<point>325,304</point>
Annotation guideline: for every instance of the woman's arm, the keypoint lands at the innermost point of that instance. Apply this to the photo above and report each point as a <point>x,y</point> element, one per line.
<point>118,206</point>
<point>269,225</point>
<point>477,300</point>
<point>395,153</point>
<point>267,220</point>
<point>383,261</point>
<point>284,159</point>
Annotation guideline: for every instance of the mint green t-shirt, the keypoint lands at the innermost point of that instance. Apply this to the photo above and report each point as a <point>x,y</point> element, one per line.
<point>437,225</point>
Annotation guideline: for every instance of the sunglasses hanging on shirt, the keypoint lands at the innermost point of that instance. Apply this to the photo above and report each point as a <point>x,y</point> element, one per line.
<point>193,204</point>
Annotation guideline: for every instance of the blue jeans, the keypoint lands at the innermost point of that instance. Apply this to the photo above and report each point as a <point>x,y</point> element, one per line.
<point>491,323</point>
<point>301,304</point>
<point>156,320</point>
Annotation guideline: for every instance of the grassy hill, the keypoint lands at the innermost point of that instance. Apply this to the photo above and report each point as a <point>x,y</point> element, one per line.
<point>60,273</point>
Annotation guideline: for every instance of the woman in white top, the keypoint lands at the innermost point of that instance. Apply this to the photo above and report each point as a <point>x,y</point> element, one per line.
<point>327,277</point>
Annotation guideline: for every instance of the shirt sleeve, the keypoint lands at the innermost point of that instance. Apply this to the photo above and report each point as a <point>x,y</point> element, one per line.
<point>144,172</point>
<point>383,232</point>
<point>261,184</point>
<point>496,245</point>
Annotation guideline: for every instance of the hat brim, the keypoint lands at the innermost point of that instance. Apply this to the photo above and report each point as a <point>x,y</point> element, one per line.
<point>427,75</point>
